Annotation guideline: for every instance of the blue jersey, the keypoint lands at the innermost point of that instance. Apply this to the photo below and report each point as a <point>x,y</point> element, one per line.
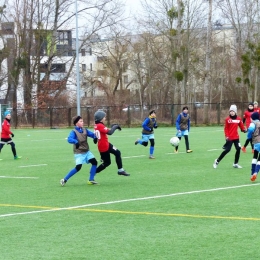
<point>146,123</point>
<point>178,121</point>
<point>72,138</point>
<point>251,129</point>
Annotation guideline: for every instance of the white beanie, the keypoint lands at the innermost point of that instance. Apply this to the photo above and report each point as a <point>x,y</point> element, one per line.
<point>233,108</point>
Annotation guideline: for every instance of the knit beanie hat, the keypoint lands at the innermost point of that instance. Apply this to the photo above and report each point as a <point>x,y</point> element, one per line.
<point>99,115</point>
<point>7,113</point>
<point>152,111</point>
<point>255,116</point>
<point>251,104</point>
<point>233,108</point>
<point>185,108</point>
<point>75,119</point>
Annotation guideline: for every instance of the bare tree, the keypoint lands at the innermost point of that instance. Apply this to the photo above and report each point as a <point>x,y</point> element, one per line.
<point>244,18</point>
<point>37,30</point>
<point>208,64</point>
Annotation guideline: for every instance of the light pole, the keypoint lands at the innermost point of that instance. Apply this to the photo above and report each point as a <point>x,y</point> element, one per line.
<point>77,60</point>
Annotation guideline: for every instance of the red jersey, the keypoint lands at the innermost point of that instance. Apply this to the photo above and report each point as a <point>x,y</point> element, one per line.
<point>257,109</point>
<point>231,127</point>
<point>101,133</point>
<point>247,117</point>
<point>6,132</point>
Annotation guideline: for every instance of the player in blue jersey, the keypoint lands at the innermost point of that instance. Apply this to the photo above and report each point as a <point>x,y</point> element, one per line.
<point>148,133</point>
<point>78,137</point>
<point>183,128</point>
<point>254,133</point>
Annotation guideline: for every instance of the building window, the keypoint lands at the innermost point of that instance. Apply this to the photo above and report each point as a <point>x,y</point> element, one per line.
<point>83,52</point>
<point>84,67</point>
<point>90,66</point>
<point>126,79</point>
<point>55,68</point>
<point>62,38</point>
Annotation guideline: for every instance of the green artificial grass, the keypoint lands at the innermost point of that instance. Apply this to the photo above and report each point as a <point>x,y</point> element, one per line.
<point>173,207</point>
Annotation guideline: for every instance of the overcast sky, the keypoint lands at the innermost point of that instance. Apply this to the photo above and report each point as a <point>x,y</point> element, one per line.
<point>133,5</point>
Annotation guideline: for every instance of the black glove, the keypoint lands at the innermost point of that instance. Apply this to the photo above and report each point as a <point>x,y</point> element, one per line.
<point>95,140</point>
<point>12,134</point>
<point>117,126</point>
<point>77,145</point>
<point>155,126</point>
<point>151,130</point>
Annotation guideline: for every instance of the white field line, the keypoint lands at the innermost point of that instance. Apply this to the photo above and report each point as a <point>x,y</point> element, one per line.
<point>36,165</point>
<point>11,177</point>
<point>40,140</point>
<point>135,156</point>
<point>175,153</point>
<point>211,150</point>
<point>129,200</point>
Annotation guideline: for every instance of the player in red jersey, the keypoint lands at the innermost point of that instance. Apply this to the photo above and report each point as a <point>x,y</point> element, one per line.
<point>256,108</point>
<point>247,120</point>
<point>232,122</point>
<point>105,148</point>
<point>7,133</point>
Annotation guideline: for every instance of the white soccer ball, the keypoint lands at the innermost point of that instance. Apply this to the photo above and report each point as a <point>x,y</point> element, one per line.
<point>174,141</point>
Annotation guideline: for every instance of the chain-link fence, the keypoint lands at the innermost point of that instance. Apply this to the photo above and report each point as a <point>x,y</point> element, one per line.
<point>130,116</point>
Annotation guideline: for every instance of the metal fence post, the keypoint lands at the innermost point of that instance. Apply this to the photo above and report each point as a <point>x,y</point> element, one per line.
<point>69,117</point>
<point>218,109</point>
<point>195,114</point>
<point>128,117</point>
<point>33,118</point>
<point>172,114</point>
<point>88,116</point>
<point>50,117</point>
<point>108,116</point>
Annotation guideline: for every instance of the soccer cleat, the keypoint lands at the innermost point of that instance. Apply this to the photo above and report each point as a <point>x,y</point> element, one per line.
<point>175,151</point>
<point>151,157</point>
<point>137,141</point>
<point>17,157</point>
<point>243,149</point>
<point>123,173</point>
<point>235,165</point>
<point>92,182</point>
<point>62,182</point>
<point>253,177</point>
<point>215,164</point>
<point>189,151</point>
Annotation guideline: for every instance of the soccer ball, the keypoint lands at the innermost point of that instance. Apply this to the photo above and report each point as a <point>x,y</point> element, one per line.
<point>174,141</point>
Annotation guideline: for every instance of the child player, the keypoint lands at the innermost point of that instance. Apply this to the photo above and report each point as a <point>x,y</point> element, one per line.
<point>256,108</point>
<point>254,134</point>
<point>247,120</point>
<point>147,133</point>
<point>105,148</point>
<point>183,128</point>
<point>6,133</point>
<point>78,137</point>
<point>232,122</point>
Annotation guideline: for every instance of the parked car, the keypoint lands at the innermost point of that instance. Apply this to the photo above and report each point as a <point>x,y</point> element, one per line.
<point>134,108</point>
<point>198,104</point>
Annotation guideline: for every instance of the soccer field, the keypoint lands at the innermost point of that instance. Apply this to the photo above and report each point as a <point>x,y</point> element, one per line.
<point>173,207</point>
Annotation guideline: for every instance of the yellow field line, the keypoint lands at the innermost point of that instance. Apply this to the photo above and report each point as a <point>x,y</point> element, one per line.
<point>138,213</point>
<point>27,206</point>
